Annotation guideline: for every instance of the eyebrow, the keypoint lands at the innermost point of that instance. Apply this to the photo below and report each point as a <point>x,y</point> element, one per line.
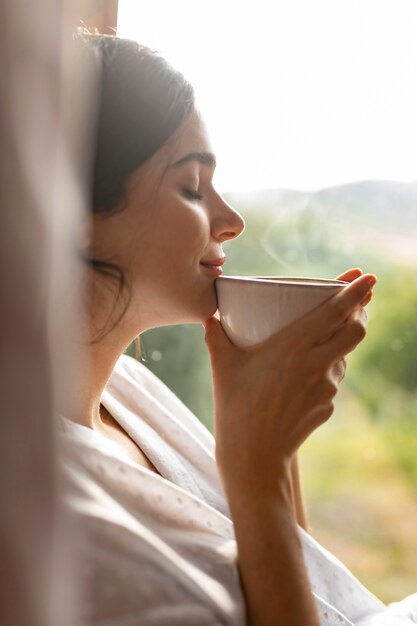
<point>206,158</point>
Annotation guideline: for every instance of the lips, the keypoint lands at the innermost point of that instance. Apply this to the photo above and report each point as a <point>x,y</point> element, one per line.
<point>214,265</point>
<point>215,262</point>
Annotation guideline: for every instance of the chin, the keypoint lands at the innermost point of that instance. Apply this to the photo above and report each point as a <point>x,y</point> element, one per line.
<point>187,308</point>
<point>210,309</point>
<point>209,313</point>
<point>197,317</point>
<point>202,311</point>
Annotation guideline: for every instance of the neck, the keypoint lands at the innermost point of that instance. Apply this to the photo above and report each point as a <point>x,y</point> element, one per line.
<point>86,405</point>
<point>95,361</point>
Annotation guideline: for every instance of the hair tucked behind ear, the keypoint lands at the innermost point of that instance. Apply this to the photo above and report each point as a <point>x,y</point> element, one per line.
<point>142,101</point>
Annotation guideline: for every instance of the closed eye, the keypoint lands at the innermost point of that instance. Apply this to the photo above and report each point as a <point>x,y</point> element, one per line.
<point>193,194</point>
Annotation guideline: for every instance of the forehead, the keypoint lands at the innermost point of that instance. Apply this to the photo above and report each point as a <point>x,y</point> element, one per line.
<point>191,136</point>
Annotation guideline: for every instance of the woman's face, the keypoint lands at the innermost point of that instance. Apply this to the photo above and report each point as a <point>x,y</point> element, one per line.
<point>173,226</point>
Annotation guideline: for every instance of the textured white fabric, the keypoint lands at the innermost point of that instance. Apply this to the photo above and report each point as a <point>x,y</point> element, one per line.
<point>161,549</point>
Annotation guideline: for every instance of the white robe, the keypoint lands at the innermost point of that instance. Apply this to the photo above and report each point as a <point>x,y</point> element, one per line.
<point>160,550</point>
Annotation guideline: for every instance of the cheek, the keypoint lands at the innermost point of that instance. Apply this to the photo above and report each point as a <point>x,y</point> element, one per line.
<point>114,240</point>
<point>186,229</point>
<point>193,234</point>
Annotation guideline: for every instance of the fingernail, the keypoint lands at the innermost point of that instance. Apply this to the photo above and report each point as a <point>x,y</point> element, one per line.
<point>371,281</point>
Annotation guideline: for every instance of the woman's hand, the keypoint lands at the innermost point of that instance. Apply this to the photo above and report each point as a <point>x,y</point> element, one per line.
<point>339,369</point>
<point>352,275</point>
<point>269,398</point>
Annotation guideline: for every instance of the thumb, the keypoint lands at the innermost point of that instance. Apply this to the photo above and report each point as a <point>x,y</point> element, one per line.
<point>217,342</point>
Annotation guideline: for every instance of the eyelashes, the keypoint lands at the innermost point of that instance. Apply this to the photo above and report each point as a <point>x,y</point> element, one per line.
<point>194,195</point>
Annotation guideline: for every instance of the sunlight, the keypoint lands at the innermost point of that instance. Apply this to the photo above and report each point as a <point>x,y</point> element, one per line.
<point>296,95</point>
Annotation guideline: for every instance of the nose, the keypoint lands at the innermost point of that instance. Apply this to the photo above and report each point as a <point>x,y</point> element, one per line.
<point>226,223</point>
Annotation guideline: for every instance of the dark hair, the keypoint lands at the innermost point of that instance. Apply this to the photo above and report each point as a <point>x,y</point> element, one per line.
<point>142,101</point>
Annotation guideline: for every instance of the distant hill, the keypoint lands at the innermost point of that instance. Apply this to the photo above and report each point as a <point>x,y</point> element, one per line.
<point>387,202</point>
<point>385,211</point>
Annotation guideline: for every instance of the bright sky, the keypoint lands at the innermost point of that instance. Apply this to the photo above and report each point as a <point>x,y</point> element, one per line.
<point>297,94</point>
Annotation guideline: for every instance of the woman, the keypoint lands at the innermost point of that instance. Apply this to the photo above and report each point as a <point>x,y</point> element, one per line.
<point>181,531</point>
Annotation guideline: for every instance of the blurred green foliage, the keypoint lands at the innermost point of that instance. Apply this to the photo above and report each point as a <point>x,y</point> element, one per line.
<point>390,352</point>
<point>384,369</point>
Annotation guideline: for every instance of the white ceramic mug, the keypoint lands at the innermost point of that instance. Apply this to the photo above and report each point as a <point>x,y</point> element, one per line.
<point>251,309</point>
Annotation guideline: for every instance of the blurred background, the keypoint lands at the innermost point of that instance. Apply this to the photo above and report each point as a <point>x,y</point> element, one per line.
<point>312,110</point>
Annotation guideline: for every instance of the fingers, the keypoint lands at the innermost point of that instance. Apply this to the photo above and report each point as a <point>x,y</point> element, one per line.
<point>326,319</point>
<point>350,275</point>
<point>367,299</point>
<point>218,343</point>
<point>345,339</point>
<point>338,371</point>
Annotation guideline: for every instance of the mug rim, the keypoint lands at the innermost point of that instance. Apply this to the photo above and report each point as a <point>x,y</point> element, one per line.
<point>295,281</point>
